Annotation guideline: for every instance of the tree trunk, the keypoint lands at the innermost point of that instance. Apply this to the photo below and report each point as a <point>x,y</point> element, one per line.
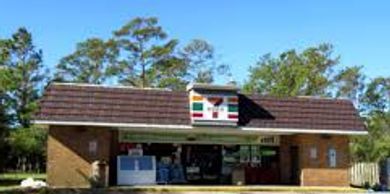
<point>23,164</point>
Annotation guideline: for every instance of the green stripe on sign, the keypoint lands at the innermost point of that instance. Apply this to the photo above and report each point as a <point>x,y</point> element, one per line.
<point>197,106</point>
<point>232,108</point>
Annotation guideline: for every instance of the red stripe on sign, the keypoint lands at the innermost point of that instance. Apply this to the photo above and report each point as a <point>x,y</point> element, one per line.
<point>197,114</point>
<point>233,116</point>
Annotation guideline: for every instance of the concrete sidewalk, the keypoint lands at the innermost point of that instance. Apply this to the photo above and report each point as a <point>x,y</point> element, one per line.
<point>176,189</point>
<point>235,189</point>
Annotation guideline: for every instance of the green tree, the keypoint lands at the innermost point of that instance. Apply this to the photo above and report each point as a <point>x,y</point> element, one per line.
<point>22,75</point>
<point>377,96</point>
<point>140,54</point>
<point>376,145</point>
<point>28,146</point>
<point>375,104</point>
<point>143,46</point>
<point>170,73</point>
<point>350,83</point>
<point>195,62</point>
<point>3,116</point>
<point>315,72</point>
<point>4,130</point>
<point>89,63</point>
<point>293,73</point>
<point>201,63</point>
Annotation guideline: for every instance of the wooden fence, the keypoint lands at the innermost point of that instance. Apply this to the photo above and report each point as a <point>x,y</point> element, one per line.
<point>362,174</point>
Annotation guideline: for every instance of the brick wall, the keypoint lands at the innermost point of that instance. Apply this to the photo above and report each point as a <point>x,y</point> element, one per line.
<point>316,171</point>
<point>69,158</point>
<point>325,177</point>
<point>68,154</point>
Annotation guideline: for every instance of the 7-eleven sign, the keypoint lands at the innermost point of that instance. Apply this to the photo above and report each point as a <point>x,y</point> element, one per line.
<point>213,108</point>
<point>215,102</point>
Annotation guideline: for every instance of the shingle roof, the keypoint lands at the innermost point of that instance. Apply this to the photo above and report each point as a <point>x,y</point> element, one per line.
<point>84,103</point>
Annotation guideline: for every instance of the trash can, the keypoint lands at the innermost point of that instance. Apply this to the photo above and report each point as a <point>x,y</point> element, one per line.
<point>99,175</point>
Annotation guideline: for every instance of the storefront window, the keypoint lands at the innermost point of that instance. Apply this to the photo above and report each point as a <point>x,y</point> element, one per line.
<point>245,153</point>
<point>199,164</point>
<point>255,154</point>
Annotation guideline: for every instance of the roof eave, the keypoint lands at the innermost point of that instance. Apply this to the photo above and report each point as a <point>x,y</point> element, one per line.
<point>189,127</point>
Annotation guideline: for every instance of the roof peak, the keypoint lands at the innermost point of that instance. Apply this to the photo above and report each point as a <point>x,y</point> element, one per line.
<point>105,86</point>
<point>205,86</point>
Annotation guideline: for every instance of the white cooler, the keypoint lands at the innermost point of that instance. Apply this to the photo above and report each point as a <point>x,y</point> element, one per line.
<point>136,170</point>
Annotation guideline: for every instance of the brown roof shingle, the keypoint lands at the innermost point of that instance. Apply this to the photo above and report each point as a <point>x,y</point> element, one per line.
<point>67,102</point>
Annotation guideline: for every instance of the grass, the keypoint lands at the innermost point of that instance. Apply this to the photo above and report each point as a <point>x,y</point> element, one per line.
<point>21,176</point>
<point>9,181</point>
<point>8,187</point>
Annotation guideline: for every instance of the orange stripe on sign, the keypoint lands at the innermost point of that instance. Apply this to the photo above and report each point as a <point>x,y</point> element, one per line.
<point>233,100</point>
<point>213,99</point>
<point>197,98</point>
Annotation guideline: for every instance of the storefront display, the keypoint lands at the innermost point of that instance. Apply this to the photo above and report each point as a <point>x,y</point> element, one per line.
<point>200,158</point>
<point>198,164</point>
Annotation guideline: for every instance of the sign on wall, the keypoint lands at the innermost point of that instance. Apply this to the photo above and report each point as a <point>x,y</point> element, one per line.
<point>196,138</point>
<point>214,108</point>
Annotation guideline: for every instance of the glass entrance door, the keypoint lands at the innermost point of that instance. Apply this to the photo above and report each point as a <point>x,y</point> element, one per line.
<point>202,163</point>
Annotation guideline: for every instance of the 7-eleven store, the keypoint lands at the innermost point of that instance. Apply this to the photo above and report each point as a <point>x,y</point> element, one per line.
<point>207,135</point>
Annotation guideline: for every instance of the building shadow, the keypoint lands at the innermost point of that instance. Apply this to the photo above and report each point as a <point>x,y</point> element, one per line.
<point>250,110</point>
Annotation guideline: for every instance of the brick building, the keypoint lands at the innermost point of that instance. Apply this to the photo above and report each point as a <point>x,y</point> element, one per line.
<point>206,135</point>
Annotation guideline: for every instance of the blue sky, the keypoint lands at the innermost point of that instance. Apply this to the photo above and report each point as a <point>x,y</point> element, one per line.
<point>241,31</point>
